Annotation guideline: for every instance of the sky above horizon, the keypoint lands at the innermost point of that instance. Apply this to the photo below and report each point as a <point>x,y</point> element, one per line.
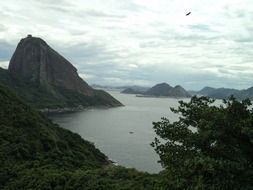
<point>140,42</point>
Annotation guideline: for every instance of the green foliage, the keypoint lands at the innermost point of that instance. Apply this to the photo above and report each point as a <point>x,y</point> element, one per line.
<point>29,139</point>
<point>113,178</point>
<point>37,154</point>
<point>49,96</point>
<point>209,147</point>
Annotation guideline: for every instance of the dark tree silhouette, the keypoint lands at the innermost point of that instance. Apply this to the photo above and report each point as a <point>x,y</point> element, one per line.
<point>209,147</point>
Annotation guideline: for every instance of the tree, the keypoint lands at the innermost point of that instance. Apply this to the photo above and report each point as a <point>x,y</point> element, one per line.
<point>209,147</point>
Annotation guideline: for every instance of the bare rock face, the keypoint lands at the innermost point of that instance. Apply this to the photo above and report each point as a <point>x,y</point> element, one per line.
<point>46,80</point>
<point>35,60</point>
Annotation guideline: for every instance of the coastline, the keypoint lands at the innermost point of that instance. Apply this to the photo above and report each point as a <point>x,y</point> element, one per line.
<point>153,96</point>
<point>74,109</point>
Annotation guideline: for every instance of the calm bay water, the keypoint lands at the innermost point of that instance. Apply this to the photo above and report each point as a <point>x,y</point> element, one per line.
<point>110,129</point>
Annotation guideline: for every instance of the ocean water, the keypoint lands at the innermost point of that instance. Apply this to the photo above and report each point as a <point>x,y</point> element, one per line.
<point>124,133</point>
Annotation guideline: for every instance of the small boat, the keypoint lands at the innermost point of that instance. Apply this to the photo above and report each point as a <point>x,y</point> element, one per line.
<point>131,132</point>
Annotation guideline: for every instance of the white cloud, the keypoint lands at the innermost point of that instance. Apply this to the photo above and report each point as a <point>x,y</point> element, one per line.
<point>4,64</point>
<point>86,76</point>
<point>142,40</point>
<point>118,81</point>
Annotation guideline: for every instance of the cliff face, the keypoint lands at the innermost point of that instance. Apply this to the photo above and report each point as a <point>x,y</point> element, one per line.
<point>35,60</point>
<point>45,79</point>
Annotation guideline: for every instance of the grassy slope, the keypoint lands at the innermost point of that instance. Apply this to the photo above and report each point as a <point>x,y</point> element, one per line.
<point>43,96</point>
<point>37,154</point>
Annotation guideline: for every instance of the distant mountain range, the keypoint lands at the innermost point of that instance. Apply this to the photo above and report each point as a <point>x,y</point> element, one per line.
<point>223,93</point>
<point>45,79</point>
<point>159,90</point>
<point>135,90</point>
<point>121,88</point>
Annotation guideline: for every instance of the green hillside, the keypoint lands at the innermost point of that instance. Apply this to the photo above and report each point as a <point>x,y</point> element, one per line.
<point>45,96</point>
<point>37,154</point>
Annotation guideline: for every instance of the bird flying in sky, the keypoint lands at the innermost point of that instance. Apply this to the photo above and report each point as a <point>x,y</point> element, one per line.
<point>188,14</point>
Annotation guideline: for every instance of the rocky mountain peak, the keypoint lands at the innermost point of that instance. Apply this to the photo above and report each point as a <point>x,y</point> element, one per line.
<point>161,89</point>
<point>164,89</point>
<point>35,60</point>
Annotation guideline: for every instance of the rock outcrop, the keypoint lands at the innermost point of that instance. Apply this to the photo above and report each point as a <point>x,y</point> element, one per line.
<point>36,61</point>
<point>46,80</point>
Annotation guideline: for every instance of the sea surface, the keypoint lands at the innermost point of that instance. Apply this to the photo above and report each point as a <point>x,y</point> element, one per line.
<point>124,133</point>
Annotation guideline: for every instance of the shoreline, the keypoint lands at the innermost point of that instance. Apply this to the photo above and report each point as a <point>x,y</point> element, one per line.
<point>74,109</point>
<point>152,96</point>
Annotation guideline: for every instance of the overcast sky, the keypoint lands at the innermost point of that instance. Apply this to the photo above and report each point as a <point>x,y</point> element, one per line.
<point>141,42</point>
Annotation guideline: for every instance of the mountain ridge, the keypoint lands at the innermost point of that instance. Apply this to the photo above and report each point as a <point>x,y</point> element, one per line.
<point>224,93</point>
<point>45,79</point>
<point>35,60</point>
<point>159,90</point>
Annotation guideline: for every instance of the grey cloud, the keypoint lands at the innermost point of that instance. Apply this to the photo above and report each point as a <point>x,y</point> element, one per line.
<point>90,53</point>
<point>195,37</point>
<point>102,14</point>
<point>202,27</point>
<point>239,13</point>
<point>151,43</point>
<point>83,12</point>
<point>131,6</point>
<point>62,9</point>
<point>69,8</point>
<point>244,39</point>
<point>108,41</point>
<point>6,51</point>
<point>246,36</point>
<point>3,28</point>
<point>53,4</point>
<point>100,61</point>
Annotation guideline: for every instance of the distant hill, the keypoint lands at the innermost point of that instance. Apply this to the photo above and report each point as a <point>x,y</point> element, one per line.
<point>206,90</point>
<point>130,91</point>
<point>37,154</point>
<point>29,138</point>
<point>165,89</point>
<point>223,93</point>
<point>162,89</point>
<point>45,79</point>
<point>135,90</point>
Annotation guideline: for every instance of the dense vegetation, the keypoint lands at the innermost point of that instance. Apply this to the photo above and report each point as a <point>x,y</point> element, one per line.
<point>37,154</point>
<point>47,96</point>
<point>209,147</point>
